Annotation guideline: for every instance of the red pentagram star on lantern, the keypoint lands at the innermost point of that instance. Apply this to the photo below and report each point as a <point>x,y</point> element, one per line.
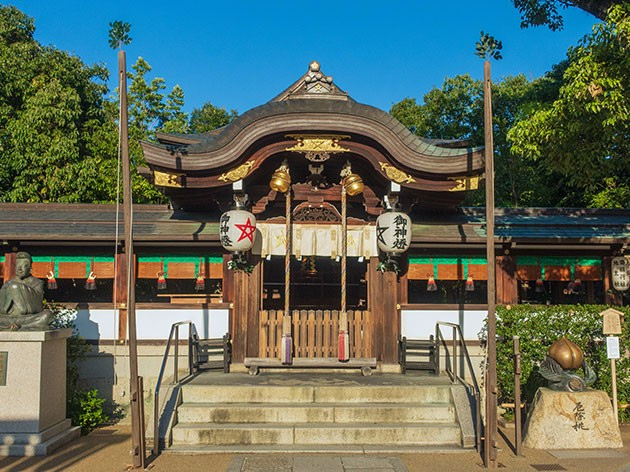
<point>247,231</point>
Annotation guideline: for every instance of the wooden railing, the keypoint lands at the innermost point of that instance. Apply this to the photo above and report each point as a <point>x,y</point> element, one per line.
<point>315,333</point>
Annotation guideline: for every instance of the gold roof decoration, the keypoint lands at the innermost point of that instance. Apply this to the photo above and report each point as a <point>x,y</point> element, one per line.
<point>166,179</point>
<point>395,174</point>
<point>465,183</point>
<point>317,148</point>
<point>238,173</point>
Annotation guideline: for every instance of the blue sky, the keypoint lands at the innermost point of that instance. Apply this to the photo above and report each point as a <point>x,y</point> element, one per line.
<point>240,54</point>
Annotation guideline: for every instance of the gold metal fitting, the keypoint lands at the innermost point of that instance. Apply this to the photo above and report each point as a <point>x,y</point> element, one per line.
<point>280,180</point>
<point>353,184</point>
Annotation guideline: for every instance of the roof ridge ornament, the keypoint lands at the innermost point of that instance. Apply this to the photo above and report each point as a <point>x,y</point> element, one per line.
<point>314,84</point>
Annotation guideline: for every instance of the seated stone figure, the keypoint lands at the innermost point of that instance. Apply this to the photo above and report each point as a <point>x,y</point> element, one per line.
<point>21,300</point>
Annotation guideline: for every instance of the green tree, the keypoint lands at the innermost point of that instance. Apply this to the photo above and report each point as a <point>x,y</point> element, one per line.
<point>583,133</point>
<point>119,34</point>
<point>49,100</point>
<point>210,117</point>
<point>455,111</point>
<point>176,120</point>
<point>546,12</point>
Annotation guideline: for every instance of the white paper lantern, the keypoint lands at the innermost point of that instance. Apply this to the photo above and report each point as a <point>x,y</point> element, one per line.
<point>237,229</point>
<point>393,232</point>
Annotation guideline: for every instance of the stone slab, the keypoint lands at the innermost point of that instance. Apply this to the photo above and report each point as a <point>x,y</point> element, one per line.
<point>35,438</point>
<point>571,420</point>
<point>29,336</point>
<point>588,454</point>
<point>34,397</point>
<point>43,444</point>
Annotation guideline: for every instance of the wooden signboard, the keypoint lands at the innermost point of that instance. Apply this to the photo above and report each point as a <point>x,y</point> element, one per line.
<point>612,321</point>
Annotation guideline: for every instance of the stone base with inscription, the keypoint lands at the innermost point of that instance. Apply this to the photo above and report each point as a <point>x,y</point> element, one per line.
<point>571,420</point>
<point>33,392</point>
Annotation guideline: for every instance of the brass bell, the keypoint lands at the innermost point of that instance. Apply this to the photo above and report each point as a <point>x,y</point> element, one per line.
<point>353,184</point>
<point>280,180</point>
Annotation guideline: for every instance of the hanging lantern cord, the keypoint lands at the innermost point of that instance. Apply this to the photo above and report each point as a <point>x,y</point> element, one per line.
<point>287,257</point>
<point>344,238</point>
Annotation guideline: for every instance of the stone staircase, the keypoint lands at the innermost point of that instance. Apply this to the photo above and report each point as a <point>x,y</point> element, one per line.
<point>322,414</point>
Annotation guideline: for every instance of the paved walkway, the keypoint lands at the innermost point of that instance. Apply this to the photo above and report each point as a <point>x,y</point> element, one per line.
<point>108,450</point>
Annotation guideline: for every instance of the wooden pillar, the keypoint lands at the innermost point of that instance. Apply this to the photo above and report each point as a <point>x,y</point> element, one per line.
<point>239,314</point>
<point>507,284</point>
<point>245,312</point>
<point>227,292</point>
<point>8,271</point>
<point>253,307</point>
<point>120,294</point>
<point>403,285</point>
<point>383,304</point>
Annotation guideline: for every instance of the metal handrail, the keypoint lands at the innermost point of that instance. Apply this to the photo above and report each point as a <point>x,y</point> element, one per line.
<point>452,370</point>
<point>193,363</point>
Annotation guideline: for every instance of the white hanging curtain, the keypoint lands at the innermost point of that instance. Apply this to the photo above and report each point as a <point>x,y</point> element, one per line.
<point>315,240</point>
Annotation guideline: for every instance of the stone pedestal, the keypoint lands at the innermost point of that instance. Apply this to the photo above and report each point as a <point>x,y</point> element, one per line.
<point>567,420</point>
<point>33,392</point>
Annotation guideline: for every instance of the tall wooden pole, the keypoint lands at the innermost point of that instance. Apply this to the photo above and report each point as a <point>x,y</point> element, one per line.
<point>137,407</point>
<point>491,433</point>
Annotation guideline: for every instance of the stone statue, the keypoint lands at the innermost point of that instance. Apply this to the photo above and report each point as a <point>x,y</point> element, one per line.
<point>564,357</point>
<point>21,300</point>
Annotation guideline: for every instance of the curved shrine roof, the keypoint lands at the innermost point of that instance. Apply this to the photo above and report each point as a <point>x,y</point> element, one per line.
<point>314,106</point>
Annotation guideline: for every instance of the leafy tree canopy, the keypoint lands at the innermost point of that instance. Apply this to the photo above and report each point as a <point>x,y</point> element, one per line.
<point>583,133</point>
<point>119,34</point>
<point>49,100</point>
<point>210,117</point>
<point>455,111</point>
<point>547,12</point>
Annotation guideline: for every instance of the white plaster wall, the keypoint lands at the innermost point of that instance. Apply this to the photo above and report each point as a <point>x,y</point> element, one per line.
<point>97,324</point>
<point>420,324</point>
<point>154,323</point>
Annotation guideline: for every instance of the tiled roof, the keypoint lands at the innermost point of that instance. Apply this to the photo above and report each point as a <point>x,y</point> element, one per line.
<point>73,223</point>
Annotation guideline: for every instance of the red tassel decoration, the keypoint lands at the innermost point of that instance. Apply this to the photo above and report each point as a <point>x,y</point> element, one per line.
<point>51,282</point>
<point>431,285</point>
<point>470,284</point>
<point>161,281</point>
<point>90,283</point>
<point>200,283</point>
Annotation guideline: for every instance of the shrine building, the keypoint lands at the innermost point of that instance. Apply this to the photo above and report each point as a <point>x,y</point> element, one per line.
<point>314,173</point>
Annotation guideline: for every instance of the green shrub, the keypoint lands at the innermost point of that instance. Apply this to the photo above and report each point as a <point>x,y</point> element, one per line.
<point>538,327</point>
<point>84,408</point>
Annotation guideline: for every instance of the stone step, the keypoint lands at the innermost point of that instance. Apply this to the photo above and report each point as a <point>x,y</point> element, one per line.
<point>316,394</point>
<point>443,434</point>
<point>191,449</point>
<point>316,413</point>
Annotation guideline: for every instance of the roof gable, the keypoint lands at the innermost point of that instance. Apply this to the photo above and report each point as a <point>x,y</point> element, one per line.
<point>313,84</point>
